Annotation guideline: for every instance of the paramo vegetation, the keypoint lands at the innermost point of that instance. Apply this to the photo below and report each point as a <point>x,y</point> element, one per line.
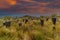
<point>30,28</point>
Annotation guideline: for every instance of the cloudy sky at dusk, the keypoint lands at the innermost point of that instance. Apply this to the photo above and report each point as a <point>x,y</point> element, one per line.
<point>30,6</point>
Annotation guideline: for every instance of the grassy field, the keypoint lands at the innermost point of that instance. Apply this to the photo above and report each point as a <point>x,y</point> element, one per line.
<point>32,30</point>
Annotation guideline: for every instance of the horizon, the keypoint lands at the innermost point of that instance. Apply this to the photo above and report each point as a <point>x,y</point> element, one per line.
<point>21,15</point>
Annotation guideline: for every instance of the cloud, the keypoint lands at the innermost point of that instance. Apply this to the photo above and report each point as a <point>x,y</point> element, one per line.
<point>7,3</point>
<point>3,4</point>
<point>31,6</point>
<point>11,2</point>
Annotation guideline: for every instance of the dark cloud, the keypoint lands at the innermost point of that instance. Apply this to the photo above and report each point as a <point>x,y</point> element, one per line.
<point>44,0</point>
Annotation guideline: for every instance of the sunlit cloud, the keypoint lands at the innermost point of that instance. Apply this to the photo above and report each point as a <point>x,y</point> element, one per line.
<point>31,6</point>
<point>11,2</point>
<point>7,3</point>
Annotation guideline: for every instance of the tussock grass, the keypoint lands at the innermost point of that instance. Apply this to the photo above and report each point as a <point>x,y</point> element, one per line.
<point>32,30</point>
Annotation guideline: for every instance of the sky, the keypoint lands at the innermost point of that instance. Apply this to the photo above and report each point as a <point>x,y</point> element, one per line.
<point>29,6</point>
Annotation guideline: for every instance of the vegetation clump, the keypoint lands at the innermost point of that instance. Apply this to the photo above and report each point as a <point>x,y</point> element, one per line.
<point>30,28</point>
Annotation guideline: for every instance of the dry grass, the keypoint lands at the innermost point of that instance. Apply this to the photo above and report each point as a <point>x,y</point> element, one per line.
<point>32,30</point>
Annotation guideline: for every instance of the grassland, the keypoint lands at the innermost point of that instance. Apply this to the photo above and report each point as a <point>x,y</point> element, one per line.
<point>32,30</point>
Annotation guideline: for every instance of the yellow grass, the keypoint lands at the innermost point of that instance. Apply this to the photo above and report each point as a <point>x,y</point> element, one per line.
<point>32,30</point>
